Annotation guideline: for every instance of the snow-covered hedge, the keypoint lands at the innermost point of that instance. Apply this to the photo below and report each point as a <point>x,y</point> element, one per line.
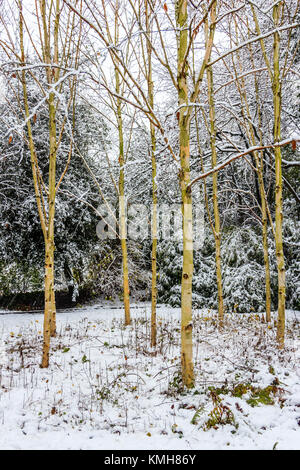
<point>242,269</point>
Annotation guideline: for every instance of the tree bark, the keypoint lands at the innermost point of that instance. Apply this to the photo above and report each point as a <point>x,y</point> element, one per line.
<point>278,176</point>
<point>187,213</point>
<point>122,208</point>
<point>122,202</point>
<point>154,188</point>
<point>217,227</point>
<point>49,313</point>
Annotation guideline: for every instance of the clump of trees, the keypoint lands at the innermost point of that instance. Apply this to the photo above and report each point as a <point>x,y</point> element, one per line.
<point>155,102</point>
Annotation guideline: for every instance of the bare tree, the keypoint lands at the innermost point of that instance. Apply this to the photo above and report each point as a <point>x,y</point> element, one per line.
<point>55,51</point>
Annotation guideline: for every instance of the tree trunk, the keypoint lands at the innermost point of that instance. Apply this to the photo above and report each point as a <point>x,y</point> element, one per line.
<point>154,188</point>
<point>154,244</point>
<point>123,232</point>
<point>276,88</point>
<point>187,213</point>
<point>122,204</point>
<point>278,177</point>
<point>124,255</point>
<point>217,227</point>
<point>51,205</point>
<point>265,241</point>
<point>49,313</point>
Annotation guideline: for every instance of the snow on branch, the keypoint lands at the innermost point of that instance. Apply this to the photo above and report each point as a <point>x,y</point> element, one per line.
<point>254,39</point>
<point>52,89</point>
<point>243,154</point>
<point>267,10</point>
<point>35,66</point>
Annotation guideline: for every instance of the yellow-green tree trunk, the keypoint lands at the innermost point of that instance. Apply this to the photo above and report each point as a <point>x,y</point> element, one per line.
<point>259,165</point>
<point>122,201</point>
<point>122,209</point>
<point>217,227</point>
<point>278,176</point>
<point>154,186</point>
<point>187,212</point>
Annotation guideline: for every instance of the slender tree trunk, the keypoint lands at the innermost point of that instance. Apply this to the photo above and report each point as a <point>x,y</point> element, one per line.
<point>187,214</point>
<point>278,177</point>
<point>122,203</point>
<point>276,88</point>
<point>259,177</point>
<point>264,214</point>
<point>217,228</point>
<point>49,272</point>
<point>122,208</point>
<point>47,222</point>
<point>49,304</point>
<point>154,241</point>
<point>49,32</point>
<point>259,162</point>
<point>265,239</point>
<point>124,253</point>
<point>154,188</point>
<point>50,307</point>
<point>52,76</point>
<point>154,276</point>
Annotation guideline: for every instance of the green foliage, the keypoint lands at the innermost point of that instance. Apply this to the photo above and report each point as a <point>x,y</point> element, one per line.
<point>272,370</point>
<point>220,415</point>
<point>197,415</point>
<point>20,277</point>
<point>169,258</point>
<point>175,384</point>
<point>255,395</point>
<point>103,393</point>
<point>243,271</point>
<point>263,396</point>
<point>21,238</point>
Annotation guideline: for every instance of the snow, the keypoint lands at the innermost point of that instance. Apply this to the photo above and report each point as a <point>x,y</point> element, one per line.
<point>106,389</point>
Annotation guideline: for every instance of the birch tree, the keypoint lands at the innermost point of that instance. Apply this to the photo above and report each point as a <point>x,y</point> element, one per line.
<point>56,53</point>
<point>185,29</point>
<point>276,77</point>
<point>154,181</point>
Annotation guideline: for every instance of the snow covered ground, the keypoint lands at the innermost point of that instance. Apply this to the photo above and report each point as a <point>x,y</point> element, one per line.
<point>106,389</point>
